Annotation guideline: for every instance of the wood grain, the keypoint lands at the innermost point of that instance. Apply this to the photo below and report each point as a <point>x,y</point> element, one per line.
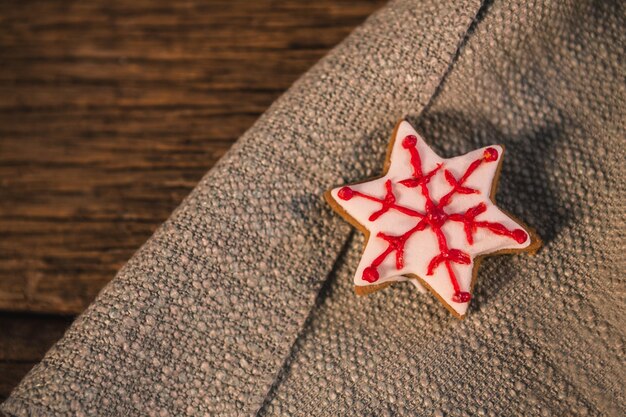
<point>111,111</point>
<point>24,339</point>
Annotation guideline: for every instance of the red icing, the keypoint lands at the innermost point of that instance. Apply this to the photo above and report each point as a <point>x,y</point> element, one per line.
<point>490,154</point>
<point>370,274</point>
<point>461,297</point>
<point>520,236</point>
<point>434,218</point>
<point>409,142</point>
<point>345,193</point>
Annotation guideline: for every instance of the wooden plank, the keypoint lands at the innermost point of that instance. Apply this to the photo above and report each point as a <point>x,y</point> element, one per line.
<point>27,337</point>
<point>11,374</point>
<point>24,339</point>
<point>110,112</point>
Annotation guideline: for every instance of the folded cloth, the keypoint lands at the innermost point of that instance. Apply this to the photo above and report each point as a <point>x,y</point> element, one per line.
<point>242,302</point>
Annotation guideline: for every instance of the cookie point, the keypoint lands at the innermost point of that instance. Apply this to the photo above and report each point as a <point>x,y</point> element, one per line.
<point>490,154</point>
<point>520,235</point>
<point>345,193</point>
<point>370,274</point>
<point>461,297</point>
<point>409,141</point>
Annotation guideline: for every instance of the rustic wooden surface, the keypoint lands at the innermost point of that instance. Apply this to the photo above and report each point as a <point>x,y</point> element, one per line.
<point>110,112</point>
<point>24,338</point>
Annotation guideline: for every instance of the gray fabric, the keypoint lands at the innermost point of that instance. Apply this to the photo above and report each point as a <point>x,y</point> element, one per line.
<point>221,313</point>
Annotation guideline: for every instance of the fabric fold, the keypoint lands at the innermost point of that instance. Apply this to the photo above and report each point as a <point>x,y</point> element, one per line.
<point>544,335</point>
<point>202,318</point>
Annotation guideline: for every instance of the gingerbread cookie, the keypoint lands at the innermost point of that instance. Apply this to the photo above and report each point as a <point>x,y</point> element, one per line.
<point>430,219</point>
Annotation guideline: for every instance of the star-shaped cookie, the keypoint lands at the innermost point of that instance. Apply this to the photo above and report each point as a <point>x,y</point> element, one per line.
<point>430,219</point>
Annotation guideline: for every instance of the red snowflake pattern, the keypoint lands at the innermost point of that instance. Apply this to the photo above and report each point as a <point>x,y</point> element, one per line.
<point>433,218</point>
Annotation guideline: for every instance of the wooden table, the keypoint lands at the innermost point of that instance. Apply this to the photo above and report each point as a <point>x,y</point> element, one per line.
<point>110,112</point>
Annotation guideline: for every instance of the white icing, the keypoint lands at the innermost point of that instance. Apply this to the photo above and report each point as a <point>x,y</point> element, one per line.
<point>419,286</point>
<point>422,246</point>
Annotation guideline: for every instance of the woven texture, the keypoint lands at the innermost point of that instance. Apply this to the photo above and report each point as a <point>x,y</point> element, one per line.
<point>242,302</point>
